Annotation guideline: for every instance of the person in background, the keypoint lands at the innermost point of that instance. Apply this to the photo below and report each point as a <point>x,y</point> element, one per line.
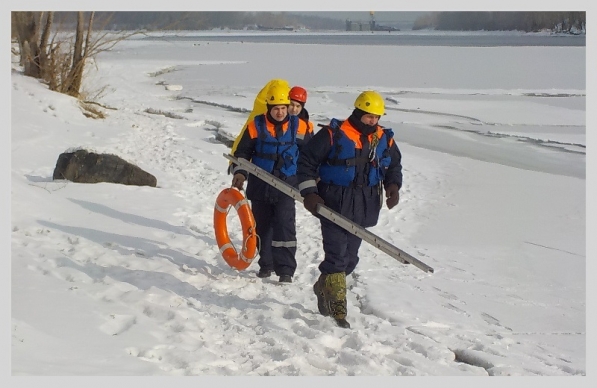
<point>355,160</point>
<point>298,99</point>
<point>271,141</point>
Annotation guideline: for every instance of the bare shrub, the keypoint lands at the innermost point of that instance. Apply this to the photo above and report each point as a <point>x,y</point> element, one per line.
<point>91,111</point>
<point>59,58</point>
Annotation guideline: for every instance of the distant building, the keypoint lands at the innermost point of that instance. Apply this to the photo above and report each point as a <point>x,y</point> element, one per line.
<point>367,26</point>
<point>266,28</point>
<point>357,26</point>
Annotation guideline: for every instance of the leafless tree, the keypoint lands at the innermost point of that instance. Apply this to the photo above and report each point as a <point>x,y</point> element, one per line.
<point>57,56</point>
<point>26,27</point>
<point>504,20</point>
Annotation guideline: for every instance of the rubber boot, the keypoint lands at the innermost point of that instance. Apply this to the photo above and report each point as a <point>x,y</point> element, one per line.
<point>334,293</point>
<point>318,290</point>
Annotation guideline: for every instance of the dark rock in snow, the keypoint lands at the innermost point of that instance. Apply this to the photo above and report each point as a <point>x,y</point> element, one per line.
<point>82,166</point>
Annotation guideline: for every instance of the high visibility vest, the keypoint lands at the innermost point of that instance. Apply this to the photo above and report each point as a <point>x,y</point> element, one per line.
<point>259,107</point>
<point>275,154</point>
<point>340,166</point>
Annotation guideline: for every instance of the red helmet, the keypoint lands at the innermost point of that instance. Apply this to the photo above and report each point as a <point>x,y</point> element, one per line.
<point>298,94</point>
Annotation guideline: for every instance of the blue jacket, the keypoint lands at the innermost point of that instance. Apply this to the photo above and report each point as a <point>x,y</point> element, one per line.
<point>352,167</point>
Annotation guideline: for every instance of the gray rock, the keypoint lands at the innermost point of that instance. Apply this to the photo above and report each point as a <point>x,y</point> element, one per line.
<point>82,166</point>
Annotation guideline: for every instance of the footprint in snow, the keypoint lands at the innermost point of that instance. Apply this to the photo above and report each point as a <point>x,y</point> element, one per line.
<point>118,324</point>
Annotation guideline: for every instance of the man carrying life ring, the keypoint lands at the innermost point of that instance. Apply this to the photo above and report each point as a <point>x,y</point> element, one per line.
<point>270,142</point>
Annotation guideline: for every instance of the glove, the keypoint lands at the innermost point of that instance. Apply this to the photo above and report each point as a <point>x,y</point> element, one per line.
<point>310,202</point>
<point>238,181</point>
<point>392,195</point>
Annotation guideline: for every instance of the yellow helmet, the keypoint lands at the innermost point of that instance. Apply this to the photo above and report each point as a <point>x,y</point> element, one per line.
<point>261,98</point>
<point>277,94</point>
<point>370,102</point>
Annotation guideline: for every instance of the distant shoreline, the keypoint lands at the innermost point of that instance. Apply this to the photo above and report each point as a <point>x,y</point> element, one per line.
<point>393,38</point>
<point>230,32</point>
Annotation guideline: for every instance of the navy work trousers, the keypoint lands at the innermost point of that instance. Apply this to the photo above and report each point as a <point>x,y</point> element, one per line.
<point>341,249</point>
<point>276,228</point>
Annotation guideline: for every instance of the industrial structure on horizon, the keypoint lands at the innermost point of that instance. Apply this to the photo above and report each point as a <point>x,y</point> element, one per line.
<point>371,25</point>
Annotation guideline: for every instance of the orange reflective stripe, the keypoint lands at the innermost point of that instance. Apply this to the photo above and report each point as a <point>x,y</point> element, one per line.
<point>331,133</point>
<point>353,134</point>
<point>252,130</point>
<point>271,128</point>
<point>227,198</point>
<point>303,128</point>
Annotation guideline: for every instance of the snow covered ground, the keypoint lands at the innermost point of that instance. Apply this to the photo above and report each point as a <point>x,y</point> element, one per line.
<point>117,280</point>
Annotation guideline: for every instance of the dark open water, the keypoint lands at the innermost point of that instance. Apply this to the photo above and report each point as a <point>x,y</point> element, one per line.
<point>395,39</point>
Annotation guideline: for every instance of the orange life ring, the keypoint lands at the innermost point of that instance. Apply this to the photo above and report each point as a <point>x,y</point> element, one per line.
<point>233,197</point>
